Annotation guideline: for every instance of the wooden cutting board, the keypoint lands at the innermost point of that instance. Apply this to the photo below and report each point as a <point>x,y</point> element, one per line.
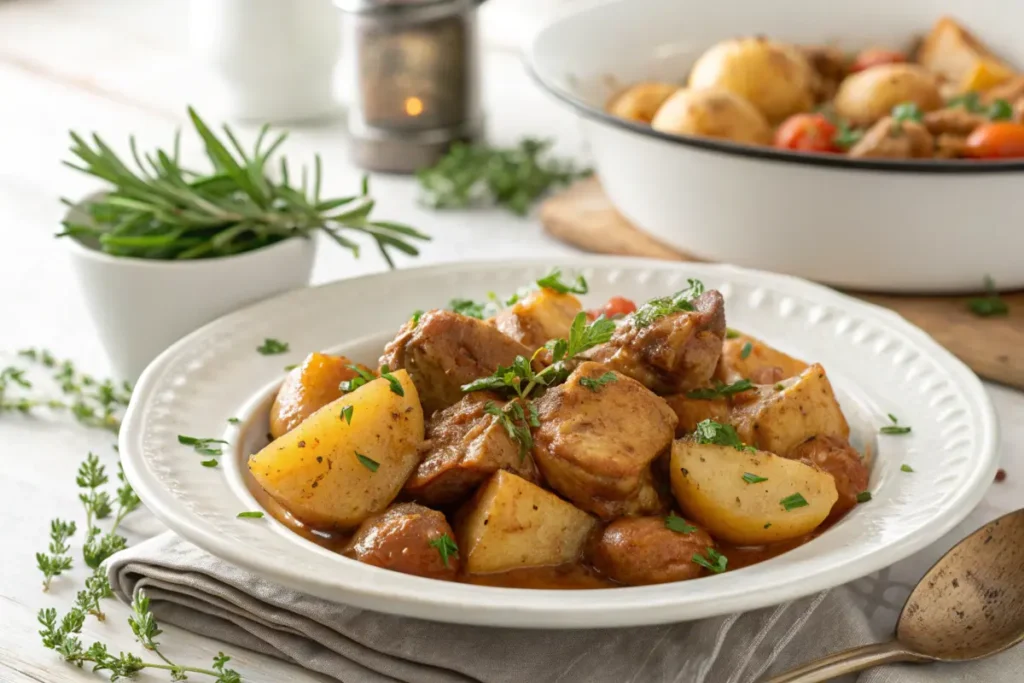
<point>992,347</point>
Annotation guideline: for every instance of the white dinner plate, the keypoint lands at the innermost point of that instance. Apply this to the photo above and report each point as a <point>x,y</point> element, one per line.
<point>878,362</point>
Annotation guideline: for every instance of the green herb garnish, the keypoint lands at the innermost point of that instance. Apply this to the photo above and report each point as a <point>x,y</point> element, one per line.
<point>346,413</point>
<point>234,420</point>
<point>969,101</point>
<point>895,427</point>
<point>656,309</point>
<point>906,468</point>
<point>863,496</point>
<point>1000,110</point>
<point>513,178</point>
<point>553,281</point>
<point>212,462</point>
<point>165,211</point>
<point>368,463</point>
<point>273,347</point>
<point>716,562</point>
<point>794,501</point>
<point>721,390</point>
<point>395,385</point>
<point>732,334</point>
<point>677,524</point>
<point>445,546</point>
<point>414,320</point>
<point>711,432</point>
<point>846,136</point>
<point>745,351</point>
<point>767,525</point>
<point>780,386</point>
<point>361,378</point>
<point>254,514</point>
<point>989,305</point>
<point>202,446</point>
<point>908,111</point>
<point>469,308</point>
<point>595,383</point>
<point>516,420</point>
<point>753,478</point>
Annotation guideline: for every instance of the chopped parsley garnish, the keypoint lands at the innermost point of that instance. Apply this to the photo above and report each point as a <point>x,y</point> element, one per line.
<point>846,136</point>
<point>233,420</point>
<point>414,320</point>
<point>212,462</point>
<point>732,334</point>
<point>655,309</point>
<point>516,421</point>
<point>745,351</point>
<point>255,514</point>
<point>721,390</point>
<point>990,304</point>
<point>202,446</point>
<point>969,101</point>
<point>793,502</point>
<point>396,386</point>
<point>368,463</point>
<point>908,111</point>
<point>595,383</point>
<point>272,347</point>
<point>346,413</point>
<point>906,468</point>
<point>468,308</point>
<point>715,561</point>
<point>767,525</point>
<point>895,427</point>
<point>1000,110</point>
<point>711,432</point>
<point>446,547</point>
<point>863,496</point>
<point>289,368</point>
<point>753,478</point>
<point>780,386</point>
<point>361,378</point>
<point>677,524</point>
<point>553,281</point>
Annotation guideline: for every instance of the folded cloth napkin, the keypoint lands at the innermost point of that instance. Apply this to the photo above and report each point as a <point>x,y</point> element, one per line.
<point>196,591</point>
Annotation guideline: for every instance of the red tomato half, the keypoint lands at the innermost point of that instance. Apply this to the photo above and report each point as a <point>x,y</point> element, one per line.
<point>999,140</point>
<point>807,133</point>
<point>617,305</point>
<point>875,56</point>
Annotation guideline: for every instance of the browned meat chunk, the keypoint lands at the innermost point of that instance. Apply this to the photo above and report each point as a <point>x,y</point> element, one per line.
<point>830,67</point>
<point>954,121</point>
<point>595,442</point>
<point>539,317</point>
<point>446,350</point>
<point>837,457</point>
<point>889,139</point>
<point>672,354</point>
<point>400,539</point>
<point>308,388</point>
<point>464,446</point>
<point>640,551</point>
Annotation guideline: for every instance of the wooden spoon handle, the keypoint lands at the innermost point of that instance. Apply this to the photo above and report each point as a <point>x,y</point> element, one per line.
<point>848,661</point>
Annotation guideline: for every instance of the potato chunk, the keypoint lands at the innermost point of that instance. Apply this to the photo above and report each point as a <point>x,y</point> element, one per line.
<point>306,389</point>
<point>761,364</point>
<point>641,101</point>
<point>712,113</point>
<point>511,523</point>
<point>691,411</point>
<point>867,96</point>
<point>595,443</point>
<point>332,474</point>
<point>780,420</point>
<point>708,484</point>
<point>952,52</point>
<point>539,317</point>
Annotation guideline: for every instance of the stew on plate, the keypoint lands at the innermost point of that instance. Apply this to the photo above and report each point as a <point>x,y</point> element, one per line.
<point>529,442</point>
<point>947,97</point>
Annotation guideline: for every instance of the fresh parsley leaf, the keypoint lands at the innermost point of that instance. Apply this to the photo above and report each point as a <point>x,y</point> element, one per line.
<point>745,351</point>
<point>553,281</point>
<point>767,525</point>
<point>715,562</point>
<point>361,378</point>
<point>655,309</point>
<point>895,428</point>
<point>272,347</point>
<point>793,502</point>
<point>721,390</point>
<point>396,386</point>
<point>906,468</point>
<point>677,524</point>
<point>201,446</point>
<point>711,432</point>
<point>753,478</point>
<point>368,463</point>
<point>989,305</point>
<point>254,514</point>
<point>516,421</point>
<point>846,136</point>
<point>209,463</point>
<point>446,547</point>
<point>468,308</point>
<point>863,496</point>
<point>907,111</point>
<point>969,101</point>
<point>583,336</point>
<point>1000,110</point>
<point>233,420</point>
<point>346,413</point>
<point>595,383</point>
<point>415,319</point>
<point>732,334</point>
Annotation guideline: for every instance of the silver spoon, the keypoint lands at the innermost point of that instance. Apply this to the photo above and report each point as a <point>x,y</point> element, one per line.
<point>968,606</point>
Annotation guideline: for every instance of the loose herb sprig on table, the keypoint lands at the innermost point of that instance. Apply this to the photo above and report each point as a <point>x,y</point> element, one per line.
<point>513,178</point>
<point>990,304</point>
<point>162,210</point>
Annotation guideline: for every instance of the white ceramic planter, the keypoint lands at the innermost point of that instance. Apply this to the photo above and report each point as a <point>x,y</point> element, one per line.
<point>141,306</point>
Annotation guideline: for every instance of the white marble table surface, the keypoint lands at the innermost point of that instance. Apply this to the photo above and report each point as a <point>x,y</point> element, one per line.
<point>115,66</point>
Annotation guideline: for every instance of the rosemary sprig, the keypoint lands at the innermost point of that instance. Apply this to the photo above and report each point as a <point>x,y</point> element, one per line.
<point>162,210</point>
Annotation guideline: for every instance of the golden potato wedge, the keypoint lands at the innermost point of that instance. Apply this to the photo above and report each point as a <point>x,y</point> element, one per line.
<point>330,473</point>
<point>539,317</point>
<point>952,52</point>
<point>690,411</point>
<point>511,523</point>
<point>707,481</point>
<point>714,113</point>
<point>867,96</point>
<point>782,419</point>
<point>640,102</point>
<point>762,364</point>
<point>306,389</point>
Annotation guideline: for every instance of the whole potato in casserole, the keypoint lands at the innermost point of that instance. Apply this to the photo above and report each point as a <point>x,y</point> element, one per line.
<point>712,113</point>
<point>641,101</point>
<point>775,77</point>
<point>867,96</point>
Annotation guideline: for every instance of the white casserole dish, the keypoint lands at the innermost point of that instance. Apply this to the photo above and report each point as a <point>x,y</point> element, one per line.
<point>898,226</point>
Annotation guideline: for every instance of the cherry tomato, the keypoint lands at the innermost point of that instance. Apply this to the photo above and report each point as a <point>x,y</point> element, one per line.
<point>807,133</point>
<point>875,56</point>
<point>998,140</point>
<point>617,305</point>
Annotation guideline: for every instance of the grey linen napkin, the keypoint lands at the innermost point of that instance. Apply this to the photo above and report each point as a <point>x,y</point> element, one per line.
<point>203,594</point>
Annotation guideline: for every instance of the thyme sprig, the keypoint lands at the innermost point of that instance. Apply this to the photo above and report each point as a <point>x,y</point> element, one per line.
<point>162,210</point>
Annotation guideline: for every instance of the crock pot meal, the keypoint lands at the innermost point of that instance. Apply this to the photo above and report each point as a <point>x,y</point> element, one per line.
<point>949,97</point>
<point>528,442</point>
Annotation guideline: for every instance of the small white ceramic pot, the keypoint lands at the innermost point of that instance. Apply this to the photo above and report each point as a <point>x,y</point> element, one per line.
<point>142,306</point>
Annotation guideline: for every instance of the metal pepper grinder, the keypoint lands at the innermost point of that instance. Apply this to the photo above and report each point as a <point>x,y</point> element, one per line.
<point>413,79</point>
